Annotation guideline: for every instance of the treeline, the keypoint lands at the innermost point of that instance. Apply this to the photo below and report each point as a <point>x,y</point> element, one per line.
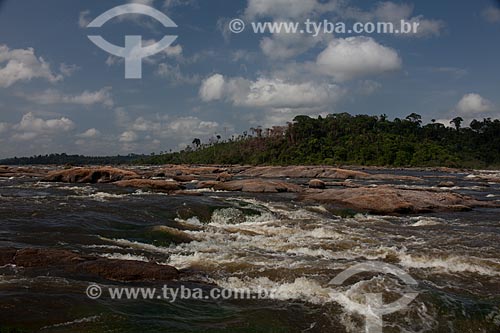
<point>62,159</point>
<point>356,140</point>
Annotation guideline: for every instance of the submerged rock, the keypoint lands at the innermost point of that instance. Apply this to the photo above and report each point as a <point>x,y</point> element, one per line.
<point>73,262</point>
<point>389,200</point>
<point>90,175</point>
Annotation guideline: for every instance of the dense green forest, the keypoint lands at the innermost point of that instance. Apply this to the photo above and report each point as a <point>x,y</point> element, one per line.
<point>333,140</point>
<point>355,140</point>
<point>61,159</point>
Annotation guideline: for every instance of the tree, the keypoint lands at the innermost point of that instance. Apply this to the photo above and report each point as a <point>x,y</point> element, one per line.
<point>196,142</point>
<point>414,118</point>
<point>457,121</point>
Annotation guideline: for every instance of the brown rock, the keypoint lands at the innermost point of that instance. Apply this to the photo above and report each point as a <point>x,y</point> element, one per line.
<point>90,175</point>
<point>388,200</point>
<point>224,177</point>
<point>446,184</point>
<point>316,172</point>
<point>46,257</point>
<point>73,262</point>
<point>155,184</point>
<point>316,183</point>
<point>7,256</point>
<point>129,270</point>
<point>257,186</point>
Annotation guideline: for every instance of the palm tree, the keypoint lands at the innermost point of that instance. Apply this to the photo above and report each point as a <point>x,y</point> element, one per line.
<point>457,121</point>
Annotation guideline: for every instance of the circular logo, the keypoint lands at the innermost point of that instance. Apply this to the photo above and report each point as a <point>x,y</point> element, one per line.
<point>93,291</point>
<point>236,26</point>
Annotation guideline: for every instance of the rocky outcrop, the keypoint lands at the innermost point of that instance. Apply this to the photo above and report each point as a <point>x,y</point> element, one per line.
<point>253,186</point>
<point>317,183</point>
<point>224,177</point>
<point>156,184</point>
<point>73,262</point>
<point>390,200</point>
<point>317,172</point>
<point>90,175</point>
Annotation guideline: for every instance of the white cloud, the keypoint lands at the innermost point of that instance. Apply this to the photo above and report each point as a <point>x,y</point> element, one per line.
<point>23,65</point>
<point>474,104</point>
<point>353,57</point>
<point>491,14</point>
<point>269,93</point>
<point>51,96</point>
<point>128,137</point>
<point>212,88</point>
<point>31,127</point>
<point>90,133</point>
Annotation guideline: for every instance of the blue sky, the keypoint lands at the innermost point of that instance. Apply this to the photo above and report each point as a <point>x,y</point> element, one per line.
<point>61,93</point>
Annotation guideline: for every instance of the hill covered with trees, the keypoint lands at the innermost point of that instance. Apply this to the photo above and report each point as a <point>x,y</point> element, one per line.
<point>357,140</point>
<point>61,159</point>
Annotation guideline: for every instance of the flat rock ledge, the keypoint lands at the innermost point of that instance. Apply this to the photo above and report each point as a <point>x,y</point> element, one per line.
<point>390,200</point>
<point>73,262</point>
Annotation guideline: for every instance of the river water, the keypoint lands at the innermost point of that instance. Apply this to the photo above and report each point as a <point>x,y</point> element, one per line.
<point>250,241</point>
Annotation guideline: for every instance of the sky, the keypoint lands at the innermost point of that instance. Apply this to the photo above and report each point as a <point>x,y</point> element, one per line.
<point>61,93</point>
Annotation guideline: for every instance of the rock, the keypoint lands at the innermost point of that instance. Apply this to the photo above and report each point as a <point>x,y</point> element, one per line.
<point>7,256</point>
<point>129,270</point>
<point>46,257</point>
<point>207,184</point>
<point>389,200</point>
<point>184,178</point>
<point>75,263</point>
<point>316,183</point>
<point>90,175</point>
<point>317,172</point>
<point>7,172</point>
<point>446,184</point>
<point>257,186</point>
<point>224,177</point>
<point>156,184</point>
<point>176,235</point>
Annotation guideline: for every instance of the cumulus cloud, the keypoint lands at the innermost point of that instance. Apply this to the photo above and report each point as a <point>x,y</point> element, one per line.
<point>212,88</point>
<point>353,57</point>
<point>51,96</point>
<point>17,65</point>
<point>31,127</point>
<point>491,14</point>
<point>90,134</point>
<point>128,137</point>
<point>269,92</point>
<point>474,104</point>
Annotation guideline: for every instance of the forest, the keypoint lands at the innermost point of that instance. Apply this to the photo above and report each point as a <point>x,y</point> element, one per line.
<point>354,140</point>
